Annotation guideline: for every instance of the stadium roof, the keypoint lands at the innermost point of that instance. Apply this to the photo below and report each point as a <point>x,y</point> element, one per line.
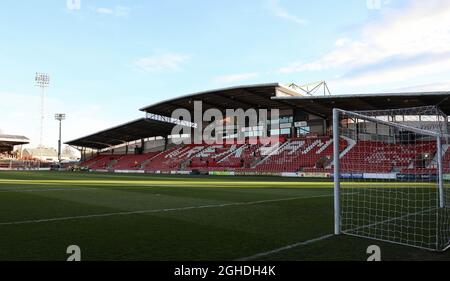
<point>245,97</point>
<point>131,131</point>
<point>323,105</point>
<point>8,140</point>
<point>276,95</point>
<point>273,95</point>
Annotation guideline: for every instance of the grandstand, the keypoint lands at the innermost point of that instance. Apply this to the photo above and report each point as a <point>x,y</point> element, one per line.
<point>304,146</point>
<point>9,142</point>
<point>9,157</point>
<point>14,157</point>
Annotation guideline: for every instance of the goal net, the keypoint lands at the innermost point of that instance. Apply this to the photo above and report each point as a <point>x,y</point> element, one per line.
<point>392,179</point>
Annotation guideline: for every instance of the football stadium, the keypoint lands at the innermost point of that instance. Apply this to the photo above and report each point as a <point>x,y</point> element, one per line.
<point>320,177</point>
<point>224,139</point>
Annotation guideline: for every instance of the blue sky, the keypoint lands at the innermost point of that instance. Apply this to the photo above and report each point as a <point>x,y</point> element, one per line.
<point>109,58</point>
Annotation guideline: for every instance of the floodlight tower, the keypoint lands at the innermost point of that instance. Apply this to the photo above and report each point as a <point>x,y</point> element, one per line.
<point>43,81</point>
<point>59,117</point>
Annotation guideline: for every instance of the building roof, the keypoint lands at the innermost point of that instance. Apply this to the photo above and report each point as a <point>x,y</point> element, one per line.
<point>323,105</point>
<point>276,95</point>
<point>245,97</point>
<point>11,140</point>
<point>131,131</point>
<point>272,95</point>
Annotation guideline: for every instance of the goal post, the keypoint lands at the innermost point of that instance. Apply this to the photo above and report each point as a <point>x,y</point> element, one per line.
<point>440,171</point>
<point>392,178</point>
<point>337,188</point>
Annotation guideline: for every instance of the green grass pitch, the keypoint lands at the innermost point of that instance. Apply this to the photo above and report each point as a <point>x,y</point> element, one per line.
<point>166,217</point>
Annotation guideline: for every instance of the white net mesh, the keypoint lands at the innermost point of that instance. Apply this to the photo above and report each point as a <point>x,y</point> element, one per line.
<point>391,174</point>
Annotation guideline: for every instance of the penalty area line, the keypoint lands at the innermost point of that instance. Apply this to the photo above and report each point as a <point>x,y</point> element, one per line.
<point>285,248</point>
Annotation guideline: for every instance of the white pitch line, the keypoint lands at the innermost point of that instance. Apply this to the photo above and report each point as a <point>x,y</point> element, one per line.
<point>288,247</point>
<point>159,210</point>
<point>47,190</point>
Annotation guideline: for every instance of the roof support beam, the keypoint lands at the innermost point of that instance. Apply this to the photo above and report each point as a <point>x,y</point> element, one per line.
<point>103,144</point>
<point>233,99</point>
<point>294,106</point>
<point>367,105</point>
<point>182,107</point>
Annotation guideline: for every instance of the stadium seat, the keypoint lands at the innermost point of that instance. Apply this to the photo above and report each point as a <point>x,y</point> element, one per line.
<point>305,154</point>
<point>380,157</point>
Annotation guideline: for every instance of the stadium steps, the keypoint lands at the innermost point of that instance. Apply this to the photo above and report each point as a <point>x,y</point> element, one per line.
<point>145,162</point>
<point>159,159</point>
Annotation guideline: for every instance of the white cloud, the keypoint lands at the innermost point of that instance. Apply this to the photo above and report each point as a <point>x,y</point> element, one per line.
<point>118,11</point>
<point>275,7</point>
<point>396,74</point>
<point>402,45</point>
<point>107,11</point>
<point>431,87</point>
<point>170,61</point>
<point>236,77</point>
<point>341,42</point>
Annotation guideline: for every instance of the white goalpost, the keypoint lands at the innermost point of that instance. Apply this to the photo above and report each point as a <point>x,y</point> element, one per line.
<point>391,183</point>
